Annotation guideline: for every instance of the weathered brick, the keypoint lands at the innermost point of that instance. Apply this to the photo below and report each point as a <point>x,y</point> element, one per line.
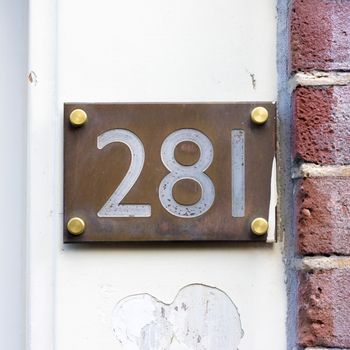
<point>324,308</point>
<point>322,125</point>
<point>323,215</point>
<point>320,35</point>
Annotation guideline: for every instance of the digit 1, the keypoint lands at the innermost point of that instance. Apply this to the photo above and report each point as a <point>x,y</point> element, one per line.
<point>238,173</point>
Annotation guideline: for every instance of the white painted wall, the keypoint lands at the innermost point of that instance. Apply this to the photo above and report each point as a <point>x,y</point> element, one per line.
<point>13,66</point>
<point>156,50</point>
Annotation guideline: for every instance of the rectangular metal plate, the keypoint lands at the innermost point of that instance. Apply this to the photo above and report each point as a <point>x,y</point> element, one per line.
<point>212,199</point>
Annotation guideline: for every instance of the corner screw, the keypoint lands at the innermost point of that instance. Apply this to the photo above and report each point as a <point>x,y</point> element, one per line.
<point>259,226</point>
<point>259,115</point>
<point>78,117</point>
<point>76,226</point>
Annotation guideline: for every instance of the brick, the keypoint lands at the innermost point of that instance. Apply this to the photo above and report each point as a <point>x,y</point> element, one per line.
<point>324,308</point>
<point>320,35</point>
<point>321,125</point>
<point>323,215</point>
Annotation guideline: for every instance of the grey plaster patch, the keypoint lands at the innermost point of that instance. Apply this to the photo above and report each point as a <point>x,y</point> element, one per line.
<point>200,318</point>
<point>284,167</point>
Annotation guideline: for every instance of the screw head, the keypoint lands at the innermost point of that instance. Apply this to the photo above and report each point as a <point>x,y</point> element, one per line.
<point>76,226</point>
<point>78,117</point>
<point>259,115</point>
<point>259,226</point>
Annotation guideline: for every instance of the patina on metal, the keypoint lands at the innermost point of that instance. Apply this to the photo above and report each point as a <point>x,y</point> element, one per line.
<point>206,153</point>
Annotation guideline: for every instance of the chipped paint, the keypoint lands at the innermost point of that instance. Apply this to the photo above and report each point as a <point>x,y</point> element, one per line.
<point>253,79</point>
<point>200,317</point>
<point>32,78</point>
<point>252,76</point>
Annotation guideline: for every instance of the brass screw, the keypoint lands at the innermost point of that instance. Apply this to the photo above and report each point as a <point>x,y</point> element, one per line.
<point>259,115</point>
<point>259,226</point>
<point>76,226</point>
<point>78,117</point>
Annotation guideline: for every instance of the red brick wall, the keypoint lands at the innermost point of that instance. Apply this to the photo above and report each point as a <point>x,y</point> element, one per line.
<point>320,46</point>
<point>320,35</point>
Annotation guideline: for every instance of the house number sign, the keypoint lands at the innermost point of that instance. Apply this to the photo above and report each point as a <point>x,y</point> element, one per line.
<point>169,172</point>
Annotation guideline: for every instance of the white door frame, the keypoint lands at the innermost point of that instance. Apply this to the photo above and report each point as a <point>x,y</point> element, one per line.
<point>41,240</point>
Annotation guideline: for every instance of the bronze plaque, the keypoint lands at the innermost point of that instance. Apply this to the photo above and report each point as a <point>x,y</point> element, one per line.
<point>168,172</point>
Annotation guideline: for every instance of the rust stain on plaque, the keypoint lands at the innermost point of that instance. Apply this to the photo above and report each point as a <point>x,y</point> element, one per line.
<point>91,174</point>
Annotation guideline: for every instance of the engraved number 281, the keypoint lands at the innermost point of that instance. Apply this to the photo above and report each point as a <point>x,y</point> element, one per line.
<point>177,172</point>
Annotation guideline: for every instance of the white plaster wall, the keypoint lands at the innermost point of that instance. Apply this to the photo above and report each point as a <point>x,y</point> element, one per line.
<point>156,50</point>
<point>13,66</point>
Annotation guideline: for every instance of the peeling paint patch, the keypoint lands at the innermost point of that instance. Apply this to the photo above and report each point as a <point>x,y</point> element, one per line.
<point>200,318</point>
